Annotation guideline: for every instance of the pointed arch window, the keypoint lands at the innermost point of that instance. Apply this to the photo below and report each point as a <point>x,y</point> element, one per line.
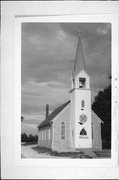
<point>49,134</point>
<point>82,104</point>
<point>83,132</point>
<point>73,82</point>
<point>62,130</point>
<point>92,129</point>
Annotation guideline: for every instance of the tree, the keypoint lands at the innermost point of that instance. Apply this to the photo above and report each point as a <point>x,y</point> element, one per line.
<point>31,138</point>
<point>24,137</point>
<point>102,107</point>
<point>35,138</point>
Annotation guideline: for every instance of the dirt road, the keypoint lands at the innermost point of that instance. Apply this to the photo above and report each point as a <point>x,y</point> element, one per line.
<point>29,152</point>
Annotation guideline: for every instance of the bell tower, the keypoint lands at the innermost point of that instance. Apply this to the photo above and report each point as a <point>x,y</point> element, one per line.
<point>80,119</point>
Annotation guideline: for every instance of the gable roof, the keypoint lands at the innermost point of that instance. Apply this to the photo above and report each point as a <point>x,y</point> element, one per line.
<point>96,116</point>
<point>48,120</point>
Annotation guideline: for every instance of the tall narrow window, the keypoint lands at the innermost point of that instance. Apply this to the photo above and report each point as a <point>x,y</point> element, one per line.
<point>63,130</point>
<point>73,82</point>
<point>49,134</point>
<point>44,135</point>
<point>41,135</point>
<point>82,104</point>
<point>92,130</point>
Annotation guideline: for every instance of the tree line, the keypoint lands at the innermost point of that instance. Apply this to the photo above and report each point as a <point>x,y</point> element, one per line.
<point>102,107</point>
<point>30,138</point>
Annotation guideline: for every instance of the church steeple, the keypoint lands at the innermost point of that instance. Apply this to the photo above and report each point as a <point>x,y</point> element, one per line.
<point>81,102</point>
<point>80,78</point>
<point>79,63</point>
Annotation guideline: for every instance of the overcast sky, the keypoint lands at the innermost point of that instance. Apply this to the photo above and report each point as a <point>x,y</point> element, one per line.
<point>48,53</point>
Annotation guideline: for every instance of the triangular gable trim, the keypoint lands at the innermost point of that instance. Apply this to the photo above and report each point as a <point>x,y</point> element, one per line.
<point>61,111</point>
<point>97,117</point>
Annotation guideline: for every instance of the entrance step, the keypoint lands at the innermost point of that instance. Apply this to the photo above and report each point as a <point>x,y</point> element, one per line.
<point>88,152</point>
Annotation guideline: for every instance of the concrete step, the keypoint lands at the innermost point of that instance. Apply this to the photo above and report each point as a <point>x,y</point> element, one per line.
<point>87,152</point>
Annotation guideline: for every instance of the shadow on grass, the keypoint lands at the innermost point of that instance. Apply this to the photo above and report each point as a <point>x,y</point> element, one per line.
<point>41,150</point>
<point>22,156</point>
<point>28,143</point>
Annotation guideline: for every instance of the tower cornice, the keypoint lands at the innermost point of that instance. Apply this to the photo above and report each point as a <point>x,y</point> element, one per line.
<point>78,89</point>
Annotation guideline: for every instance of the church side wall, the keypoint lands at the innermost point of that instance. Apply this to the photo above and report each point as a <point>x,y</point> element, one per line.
<point>45,137</point>
<point>59,144</point>
<point>97,142</point>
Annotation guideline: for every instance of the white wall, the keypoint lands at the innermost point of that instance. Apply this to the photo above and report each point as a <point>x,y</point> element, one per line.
<point>83,141</point>
<point>97,141</point>
<point>77,95</point>
<point>45,137</point>
<point>59,144</point>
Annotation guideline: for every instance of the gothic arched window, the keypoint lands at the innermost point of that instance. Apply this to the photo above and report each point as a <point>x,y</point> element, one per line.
<point>82,104</point>
<point>62,130</point>
<point>83,132</point>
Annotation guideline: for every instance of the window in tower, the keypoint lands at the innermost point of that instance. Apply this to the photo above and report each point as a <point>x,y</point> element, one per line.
<point>83,132</point>
<point>82,105</point>
<point>82,82</point>
<point>63,130</point>
<point>73,82</point>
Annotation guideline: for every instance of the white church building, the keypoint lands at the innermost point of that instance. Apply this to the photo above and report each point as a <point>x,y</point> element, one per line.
<point>73,125</point>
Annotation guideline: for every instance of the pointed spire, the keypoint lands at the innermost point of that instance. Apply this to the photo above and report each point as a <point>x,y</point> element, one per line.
<point>79,63</point>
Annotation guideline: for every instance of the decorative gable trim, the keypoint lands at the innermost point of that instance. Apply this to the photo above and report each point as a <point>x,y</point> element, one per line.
<point>63,110</point>
<point>97,117</point>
